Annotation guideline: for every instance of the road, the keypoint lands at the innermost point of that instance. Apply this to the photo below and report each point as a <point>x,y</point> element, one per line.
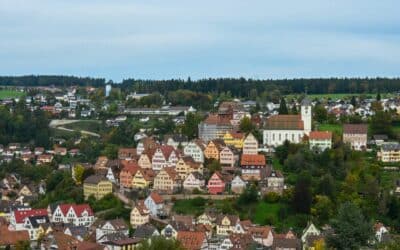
<point>58,124</point>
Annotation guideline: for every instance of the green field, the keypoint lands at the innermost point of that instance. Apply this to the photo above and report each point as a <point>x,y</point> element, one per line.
<point>335,128</point>
<point>4,94</point>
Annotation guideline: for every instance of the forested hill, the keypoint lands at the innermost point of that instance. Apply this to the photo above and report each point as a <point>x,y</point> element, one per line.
<point>49,80</point>
<point>239,87</point>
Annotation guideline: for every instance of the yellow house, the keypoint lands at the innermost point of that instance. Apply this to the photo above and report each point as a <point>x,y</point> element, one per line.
<point>213,149</point>
<point>139,215</point>
<point>143,178</point>
<point>226,224</point>
<point>144,160</point>
<point>186,165</point>
<point>25,191</point>
<point>234,139</point>
<point>166,180</point>
<point>98,186</point>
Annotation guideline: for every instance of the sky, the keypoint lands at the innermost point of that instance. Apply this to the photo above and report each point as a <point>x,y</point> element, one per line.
<point>150,39</point>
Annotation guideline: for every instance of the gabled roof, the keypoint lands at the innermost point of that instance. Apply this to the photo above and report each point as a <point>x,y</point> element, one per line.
<point>355,128</point>
<point>131,168</point>
<point>320,135</point>
<point>144,231</point>
<point>237,135</point>
<point>258,160</point>
<point>8,237</point>
<point>232,218</point>
<point>78,209</point>
<point>95,179</point>
<point>191,240</point>
<point>217,120</point>
<point>156,198</point>
<point>241,241</point>
<point>118,224</point>
<point>171,172</point>
<point>284,122</point>
<point>167,150</point>
<point>20,215</point>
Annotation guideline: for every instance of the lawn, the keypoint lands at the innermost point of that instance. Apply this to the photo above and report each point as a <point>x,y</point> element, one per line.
<point>4,94</point>
<point>335,128</point>
<point>189,206</point>
<point>266,212</point>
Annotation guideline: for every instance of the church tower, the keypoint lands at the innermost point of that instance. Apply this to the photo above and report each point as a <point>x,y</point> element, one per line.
<point>306,115</point>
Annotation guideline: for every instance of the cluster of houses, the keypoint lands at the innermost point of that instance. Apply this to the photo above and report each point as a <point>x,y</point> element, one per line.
<point>177,165</point>
<point>38,155</point>
<point>72,226</point>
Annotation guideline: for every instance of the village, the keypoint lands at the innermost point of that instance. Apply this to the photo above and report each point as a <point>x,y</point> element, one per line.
<point>222,163</point>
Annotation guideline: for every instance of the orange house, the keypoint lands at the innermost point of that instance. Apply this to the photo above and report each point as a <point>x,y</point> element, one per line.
<point>127,173</point>
<point>213,149</point>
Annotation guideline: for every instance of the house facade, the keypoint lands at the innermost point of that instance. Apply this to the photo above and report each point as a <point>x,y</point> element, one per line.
<point>195,150</point>
<point>98,186</point>
<point>234,139</point>
<point>216,184</point>
<point>355,135</point>
<point>320,140</point>
<point>250,145</point>
<point>389,152</point>
<point>167,180</point>
<point>252,167</point>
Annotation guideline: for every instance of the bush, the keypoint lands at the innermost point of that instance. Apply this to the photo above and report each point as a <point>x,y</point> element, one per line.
<point>272,197</point>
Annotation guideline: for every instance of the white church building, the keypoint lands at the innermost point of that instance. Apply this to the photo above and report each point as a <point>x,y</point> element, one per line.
<point>279,128</point>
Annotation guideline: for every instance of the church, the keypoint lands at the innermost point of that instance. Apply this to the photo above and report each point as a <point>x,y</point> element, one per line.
<point>279,128</point>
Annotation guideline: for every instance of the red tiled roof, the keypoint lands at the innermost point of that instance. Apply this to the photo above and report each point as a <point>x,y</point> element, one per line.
<point>167,150</point>
<point>237,135</point>
<point>172,173</point>
<point>20,215</point>
<point>191,240</point>
<point>156,198</point>
<point>8,237</point>
<point>284,122</point>
<point>355,128</point>
<point>215,119</point>
<point>132,168</point>
<point>257,160</point>
<point>320,135</point>
<point>79,209</point>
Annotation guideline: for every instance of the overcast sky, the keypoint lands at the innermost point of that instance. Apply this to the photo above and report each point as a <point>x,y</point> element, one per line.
<point>150,39</point>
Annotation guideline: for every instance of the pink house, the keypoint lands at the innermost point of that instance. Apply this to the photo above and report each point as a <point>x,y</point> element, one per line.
<point>228,156</point>
<point>216,184</point>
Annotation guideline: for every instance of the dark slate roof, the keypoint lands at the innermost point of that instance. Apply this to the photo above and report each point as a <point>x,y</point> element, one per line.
<point>393,146</point>
<point>144,231</point>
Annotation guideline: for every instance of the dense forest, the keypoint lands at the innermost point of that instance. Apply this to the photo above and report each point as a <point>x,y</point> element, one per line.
<point>237,87</point>
<point>44,80</point>
<point>242,87</point>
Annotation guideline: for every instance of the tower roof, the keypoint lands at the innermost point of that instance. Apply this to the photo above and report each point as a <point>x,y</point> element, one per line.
<point>306,102</point>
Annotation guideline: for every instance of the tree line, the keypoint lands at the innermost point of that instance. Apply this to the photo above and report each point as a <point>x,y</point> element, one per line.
<point>237,87</point>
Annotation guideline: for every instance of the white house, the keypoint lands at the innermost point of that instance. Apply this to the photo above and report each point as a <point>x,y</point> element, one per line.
<point>78,215</point>
<point>279,128</point>
<point>320,140</point>
<point>154,203</point>
<point>250,145</point>
<point>238,185</point>
<point>32,225</point>
<point>194,180</point>
<point>310,230</point>
<point>164,156</point>
<point>111,227</point>
<point>195,150</point>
